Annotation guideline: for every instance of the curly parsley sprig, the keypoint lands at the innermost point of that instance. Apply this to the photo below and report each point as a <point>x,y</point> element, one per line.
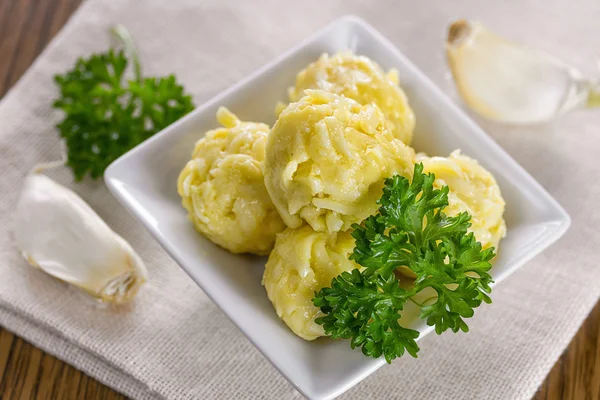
<point>410,230</point>
<point>106,115</point>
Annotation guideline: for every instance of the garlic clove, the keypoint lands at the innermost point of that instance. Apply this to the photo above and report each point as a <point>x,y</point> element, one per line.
<point>508,82</point>
<point>62,235</point>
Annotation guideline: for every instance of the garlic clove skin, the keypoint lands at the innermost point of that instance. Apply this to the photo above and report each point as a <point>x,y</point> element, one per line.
<point>62,235</point>
<point>508,82</point>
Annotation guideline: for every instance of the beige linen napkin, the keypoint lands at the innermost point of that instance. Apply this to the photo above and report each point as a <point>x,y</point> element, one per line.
<point>174,343</point>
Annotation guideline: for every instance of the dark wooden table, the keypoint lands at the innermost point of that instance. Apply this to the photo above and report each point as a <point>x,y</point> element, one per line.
<point>26,372</point>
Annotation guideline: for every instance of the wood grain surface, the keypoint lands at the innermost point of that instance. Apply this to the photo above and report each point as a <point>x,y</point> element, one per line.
<point>26,26</point>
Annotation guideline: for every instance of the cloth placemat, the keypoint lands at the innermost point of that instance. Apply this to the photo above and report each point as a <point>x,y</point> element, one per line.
<point>173,342</point>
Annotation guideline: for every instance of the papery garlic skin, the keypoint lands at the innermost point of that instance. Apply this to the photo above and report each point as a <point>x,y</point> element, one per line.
<point>62,235</point>
<point>509,82</point>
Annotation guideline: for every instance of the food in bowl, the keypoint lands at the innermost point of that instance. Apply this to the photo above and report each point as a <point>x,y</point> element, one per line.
<point>362,80</point>
<point>222,187</point>
<point>326,160</point>
<point>370,228</point>
<point>472,189</point>
<point>302,262</point>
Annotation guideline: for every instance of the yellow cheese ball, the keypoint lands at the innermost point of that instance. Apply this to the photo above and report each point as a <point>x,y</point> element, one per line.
<point>472,189</point>
<point>362,80</point>
<point>223,189</point>
<point>327,158</point>
<point>302,262</point>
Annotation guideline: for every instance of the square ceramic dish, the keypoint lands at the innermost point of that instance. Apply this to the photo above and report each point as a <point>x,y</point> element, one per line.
<point>144,180</point>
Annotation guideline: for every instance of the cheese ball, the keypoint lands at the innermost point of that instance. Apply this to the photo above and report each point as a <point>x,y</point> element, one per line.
<point>472,189</point>
<point>327,158</point>
<point>303,262</point>
<point>362,80</point>
<point>223,189</point>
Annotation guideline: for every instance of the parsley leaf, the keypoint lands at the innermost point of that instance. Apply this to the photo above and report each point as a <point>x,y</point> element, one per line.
<point>105,115</point>
<point>411,231</point>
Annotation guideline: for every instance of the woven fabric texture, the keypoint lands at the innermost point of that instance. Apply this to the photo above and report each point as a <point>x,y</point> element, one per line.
<point>173,342</point>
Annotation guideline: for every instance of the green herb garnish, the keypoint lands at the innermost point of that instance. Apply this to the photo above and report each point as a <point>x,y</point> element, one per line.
<point>107,115</point>
<point>410,230</point>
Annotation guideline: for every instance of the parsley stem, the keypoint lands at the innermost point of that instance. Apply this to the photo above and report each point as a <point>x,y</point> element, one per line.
<point>415,302</point>
<point>123,34</point>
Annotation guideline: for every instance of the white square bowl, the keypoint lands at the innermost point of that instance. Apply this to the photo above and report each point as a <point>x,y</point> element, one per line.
<point>144,180</point>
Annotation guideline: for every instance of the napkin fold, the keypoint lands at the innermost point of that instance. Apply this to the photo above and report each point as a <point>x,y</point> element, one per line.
<point>173,342</point>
